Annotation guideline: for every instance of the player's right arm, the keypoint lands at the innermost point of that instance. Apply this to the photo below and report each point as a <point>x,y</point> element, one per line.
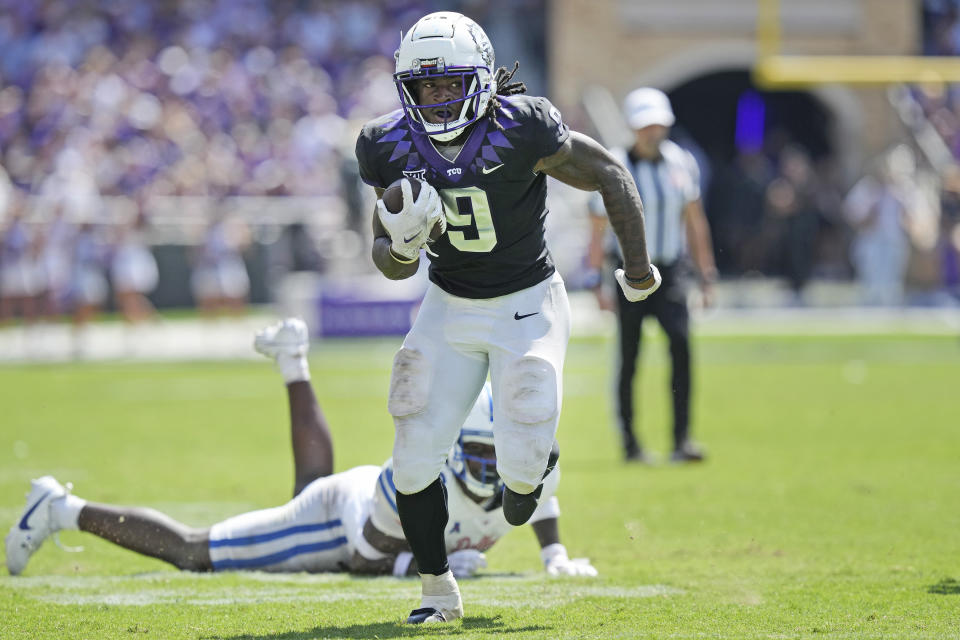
<point>582,162</point>
<point>545,524</point>
<point>388,264</point>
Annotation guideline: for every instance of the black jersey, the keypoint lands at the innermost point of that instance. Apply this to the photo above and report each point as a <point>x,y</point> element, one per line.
<point>495,203</point>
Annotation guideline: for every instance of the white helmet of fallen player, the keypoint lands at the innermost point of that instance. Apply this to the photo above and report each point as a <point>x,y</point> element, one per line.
<point>445,44</point>
<point>477,472</point>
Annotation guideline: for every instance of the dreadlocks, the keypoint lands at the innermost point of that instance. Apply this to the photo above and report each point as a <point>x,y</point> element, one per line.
<point>504,88</point>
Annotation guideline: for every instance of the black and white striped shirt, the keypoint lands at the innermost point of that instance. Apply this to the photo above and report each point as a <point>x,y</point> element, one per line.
<point>666,187</point>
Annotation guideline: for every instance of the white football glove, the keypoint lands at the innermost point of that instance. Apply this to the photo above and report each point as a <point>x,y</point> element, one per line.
<point>556,562</point>
<point>466,562</point>
<point>636,295</point>
<point>409,229</point>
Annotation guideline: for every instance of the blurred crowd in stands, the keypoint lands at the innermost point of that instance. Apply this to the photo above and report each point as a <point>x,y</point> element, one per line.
<point>191,98</point>
<point>135,101</point>
<point>78,267</point>
<point>778,212</point>
<point>208,98</point>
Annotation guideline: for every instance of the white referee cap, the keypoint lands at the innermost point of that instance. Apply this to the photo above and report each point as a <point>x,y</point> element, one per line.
<point>646,106</point>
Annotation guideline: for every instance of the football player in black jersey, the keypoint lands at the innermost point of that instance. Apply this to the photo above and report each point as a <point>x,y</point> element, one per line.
<point>496,303</point>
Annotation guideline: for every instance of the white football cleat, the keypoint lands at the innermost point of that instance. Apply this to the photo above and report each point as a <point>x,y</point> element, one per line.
<point>288,337</point>
<point>34,525</point>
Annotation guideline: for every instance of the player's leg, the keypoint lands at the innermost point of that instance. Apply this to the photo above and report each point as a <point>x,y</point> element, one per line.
<point>51,508</point>
<point>433,385</point>
<point>306,534</point>
<point>287,342</point>
<point>629,335</point>
<point>147,532</point>
<point>526,369</point>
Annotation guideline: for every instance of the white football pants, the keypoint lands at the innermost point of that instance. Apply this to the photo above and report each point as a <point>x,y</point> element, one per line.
<point>314,532</point>
<point>521,339</point>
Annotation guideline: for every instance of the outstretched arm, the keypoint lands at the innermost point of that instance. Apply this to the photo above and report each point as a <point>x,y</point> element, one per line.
<point>547,530</point>
<point>554,554</point>
<point>583,163</point>
<point>309,435</point>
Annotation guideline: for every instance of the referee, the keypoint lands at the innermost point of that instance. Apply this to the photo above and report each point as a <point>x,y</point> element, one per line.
<point>668,179</point>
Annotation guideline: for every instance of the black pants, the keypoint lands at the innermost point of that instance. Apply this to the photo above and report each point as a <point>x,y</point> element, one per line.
<point>669,306</point>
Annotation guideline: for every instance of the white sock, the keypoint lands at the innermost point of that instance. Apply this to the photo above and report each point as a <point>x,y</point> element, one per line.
<point>442,593</point>
<point>65,511</point>
<point>293,368</point>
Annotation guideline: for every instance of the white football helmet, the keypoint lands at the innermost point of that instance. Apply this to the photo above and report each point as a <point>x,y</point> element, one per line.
<point>478,427</point>
<point>445,43</point>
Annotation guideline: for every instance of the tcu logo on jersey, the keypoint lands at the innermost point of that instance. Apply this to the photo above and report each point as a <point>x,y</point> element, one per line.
<point>454,172</point>
<point>419,174</point>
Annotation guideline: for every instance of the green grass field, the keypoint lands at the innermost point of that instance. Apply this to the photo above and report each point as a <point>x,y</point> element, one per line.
<point>829,507</point>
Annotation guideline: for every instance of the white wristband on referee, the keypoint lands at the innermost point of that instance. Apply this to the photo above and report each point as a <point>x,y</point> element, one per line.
<point>402,563</point>
<point>551,552</point>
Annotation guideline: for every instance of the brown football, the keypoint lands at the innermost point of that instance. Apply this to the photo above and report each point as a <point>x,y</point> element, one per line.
<point>393,200</point>
<point>393,196</point>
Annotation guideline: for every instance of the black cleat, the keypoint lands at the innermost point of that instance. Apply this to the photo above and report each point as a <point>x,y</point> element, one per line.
<point>518,507</point>
<point>425,615</point>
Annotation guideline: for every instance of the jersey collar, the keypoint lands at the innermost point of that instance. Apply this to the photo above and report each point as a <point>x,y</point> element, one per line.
<point>453,170</point>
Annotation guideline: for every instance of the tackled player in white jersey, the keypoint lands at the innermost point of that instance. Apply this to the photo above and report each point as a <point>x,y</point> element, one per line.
<point>343,521</point>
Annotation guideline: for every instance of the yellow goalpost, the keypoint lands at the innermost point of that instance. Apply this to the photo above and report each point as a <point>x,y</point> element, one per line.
<point>776,71</point>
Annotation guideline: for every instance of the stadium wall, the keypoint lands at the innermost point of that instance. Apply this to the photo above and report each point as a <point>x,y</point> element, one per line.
<point>621,44</point>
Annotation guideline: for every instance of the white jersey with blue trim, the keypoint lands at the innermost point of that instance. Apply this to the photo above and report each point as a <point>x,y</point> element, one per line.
<point>318,530</point>
<point>315,532</point>
<point>471,525</point>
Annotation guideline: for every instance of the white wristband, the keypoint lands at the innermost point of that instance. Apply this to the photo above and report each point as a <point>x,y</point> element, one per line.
<point>401,259</point>
<point>402,563</point>
<point>551,552</point>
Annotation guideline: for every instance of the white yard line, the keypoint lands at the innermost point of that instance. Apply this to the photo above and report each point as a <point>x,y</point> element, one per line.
<point>205,590</point>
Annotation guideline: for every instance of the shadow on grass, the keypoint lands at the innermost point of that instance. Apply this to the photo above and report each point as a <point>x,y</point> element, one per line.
<point>481,624</point>
<point>946,587</point>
